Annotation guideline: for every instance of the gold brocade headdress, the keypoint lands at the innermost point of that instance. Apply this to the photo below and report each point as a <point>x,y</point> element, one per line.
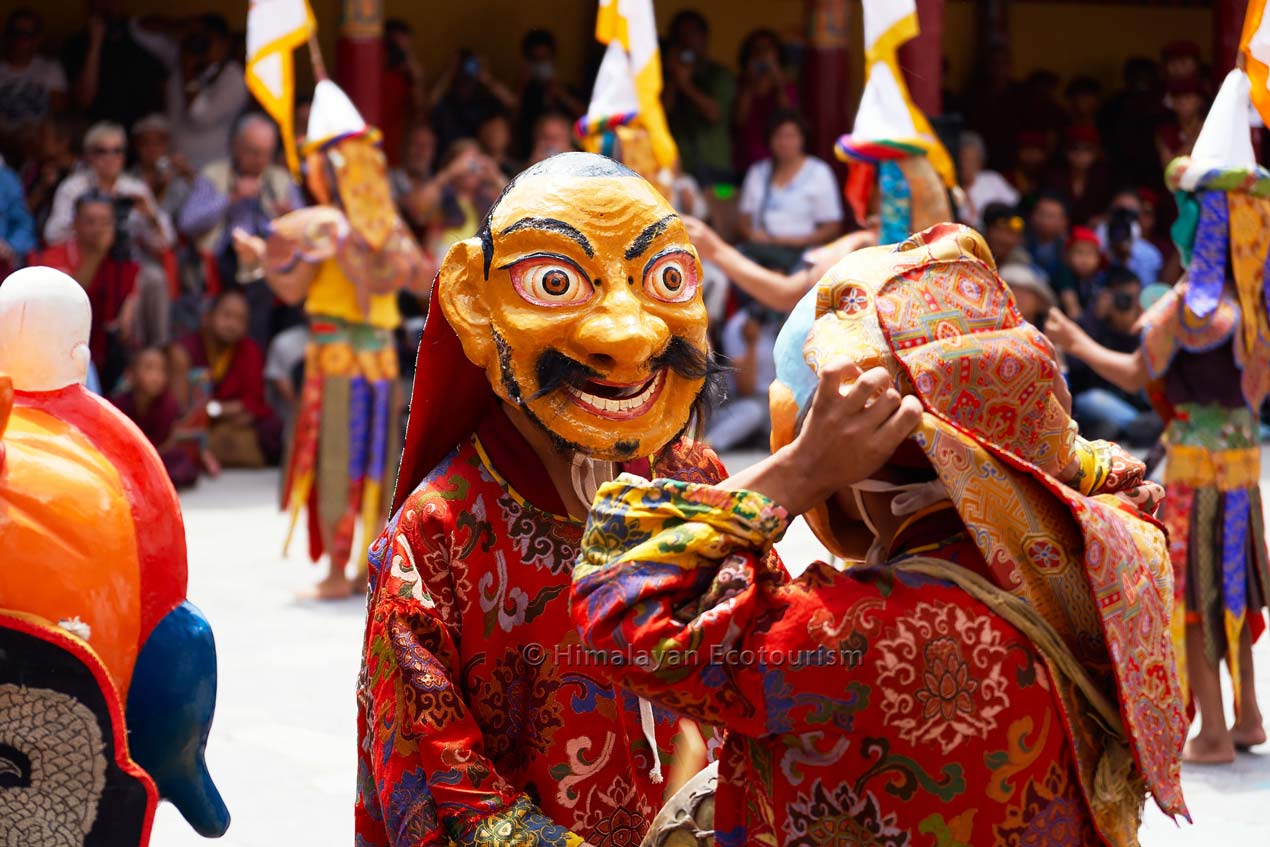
<point>344,160</point>
<point>1035,498</point>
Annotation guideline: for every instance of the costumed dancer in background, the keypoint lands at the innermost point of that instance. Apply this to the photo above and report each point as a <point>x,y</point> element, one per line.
<point>899,174</point>
<point>107,672</point>
<point>625,120</point>
<point>345,260</point>
<point>1205,360</point>
<point>982,675</point>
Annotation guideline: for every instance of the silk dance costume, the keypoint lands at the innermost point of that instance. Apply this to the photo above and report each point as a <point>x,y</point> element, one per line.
<point>1206,345</point>
<point>1001,673</point>
<point>352,255</point>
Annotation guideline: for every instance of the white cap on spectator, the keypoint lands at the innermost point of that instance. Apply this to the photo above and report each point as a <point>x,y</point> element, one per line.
<point>153,122</point>
<point>332,116</point>
<point>1028,278</point>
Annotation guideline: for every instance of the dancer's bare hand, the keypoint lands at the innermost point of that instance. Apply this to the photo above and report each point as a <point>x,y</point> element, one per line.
<point>855,422</point>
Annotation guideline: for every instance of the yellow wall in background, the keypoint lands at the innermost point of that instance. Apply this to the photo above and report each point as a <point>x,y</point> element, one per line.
<point>1070,38</point>
<point>1076,38</point>
<point>495,32</point>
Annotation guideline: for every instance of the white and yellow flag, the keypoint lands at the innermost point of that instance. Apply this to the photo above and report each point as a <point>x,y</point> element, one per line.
<point>275,28</point>
<point>1254,45</point>
<point>628,85</point>
<point>887,25</point>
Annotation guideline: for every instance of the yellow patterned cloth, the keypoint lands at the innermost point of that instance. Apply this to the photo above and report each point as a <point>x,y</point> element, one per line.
<point>934,313</point>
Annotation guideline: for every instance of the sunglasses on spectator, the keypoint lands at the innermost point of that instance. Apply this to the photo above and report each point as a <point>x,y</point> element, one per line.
<point>107,151</point>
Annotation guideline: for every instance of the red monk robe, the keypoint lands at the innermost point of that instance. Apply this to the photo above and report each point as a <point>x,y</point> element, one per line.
<point>479,721</point>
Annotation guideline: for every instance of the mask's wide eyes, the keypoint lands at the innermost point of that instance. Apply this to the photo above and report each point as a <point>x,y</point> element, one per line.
<point>549,281</point>
<point>672,278</point>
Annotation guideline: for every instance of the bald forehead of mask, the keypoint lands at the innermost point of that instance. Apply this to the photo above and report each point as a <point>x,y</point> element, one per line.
<point>561,192</point>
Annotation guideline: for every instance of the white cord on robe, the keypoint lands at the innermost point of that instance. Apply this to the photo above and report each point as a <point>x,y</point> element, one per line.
<point>647,724</point>
<point>911,498</point>
<point>586,482</point>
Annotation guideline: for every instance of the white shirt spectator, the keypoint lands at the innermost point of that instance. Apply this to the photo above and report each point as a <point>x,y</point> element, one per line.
<point>84,179</point>
<point>988,187</point>
<point>200,125</point>
<point>795,209</point>
<point>24,92</point>
<point>744,417</point>
<point>734,346</point>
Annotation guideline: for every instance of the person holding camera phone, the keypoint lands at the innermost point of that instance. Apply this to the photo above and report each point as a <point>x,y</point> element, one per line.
<point>464,94</point>
<point>143,231</point>
<point>1122,238</point>
<point>205,87</point>
<point>541,91</point>
<point>762,90</point>
<point>698,94</point>
<point>1103,409</point>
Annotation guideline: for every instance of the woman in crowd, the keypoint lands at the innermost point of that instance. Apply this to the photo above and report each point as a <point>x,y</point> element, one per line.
<point>763,90</point>
<point>495,137</point>
<point>790,201</point>
<point>981,185</point>
<point>410,181</point>
<point>470,181</point>
<point>1186,101</point>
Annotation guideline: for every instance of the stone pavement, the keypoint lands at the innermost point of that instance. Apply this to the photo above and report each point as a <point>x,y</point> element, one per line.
<point>283,744</point>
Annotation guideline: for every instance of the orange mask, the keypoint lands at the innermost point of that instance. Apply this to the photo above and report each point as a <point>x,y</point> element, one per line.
<point>580,298</point>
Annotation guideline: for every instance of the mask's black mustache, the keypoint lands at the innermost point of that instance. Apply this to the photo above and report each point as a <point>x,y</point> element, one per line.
<point>683,358</point>
<point>555,369</point>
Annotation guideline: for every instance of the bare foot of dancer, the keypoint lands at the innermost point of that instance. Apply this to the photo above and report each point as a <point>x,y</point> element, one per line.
<point>1248,730</point>
<point>1202,750</point>
<point>336,586</point>
<point>1212,746</point>
<point>1247,736</point>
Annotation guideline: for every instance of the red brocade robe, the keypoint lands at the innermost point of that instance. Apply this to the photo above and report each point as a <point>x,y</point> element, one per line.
<point>478,719</point>
<point>872,706</point>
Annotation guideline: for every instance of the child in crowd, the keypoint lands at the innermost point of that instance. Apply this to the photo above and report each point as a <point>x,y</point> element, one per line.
<point>148,402</point>
<point>1083,274</point>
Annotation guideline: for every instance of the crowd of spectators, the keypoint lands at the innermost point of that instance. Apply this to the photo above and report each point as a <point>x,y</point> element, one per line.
<point>137,162</point>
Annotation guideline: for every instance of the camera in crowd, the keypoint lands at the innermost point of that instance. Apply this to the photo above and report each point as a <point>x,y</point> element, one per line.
<point>121,250</point>
<point>1120,226</point>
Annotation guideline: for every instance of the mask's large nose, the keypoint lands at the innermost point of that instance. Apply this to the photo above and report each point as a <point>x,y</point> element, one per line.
<point>619,337</point>
<point>170,705</point>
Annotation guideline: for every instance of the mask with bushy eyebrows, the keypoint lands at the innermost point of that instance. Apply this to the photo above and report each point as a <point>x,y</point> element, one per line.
<point>580,298</point>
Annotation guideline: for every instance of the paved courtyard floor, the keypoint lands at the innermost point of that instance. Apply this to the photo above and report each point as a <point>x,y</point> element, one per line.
<point>282,747</point>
